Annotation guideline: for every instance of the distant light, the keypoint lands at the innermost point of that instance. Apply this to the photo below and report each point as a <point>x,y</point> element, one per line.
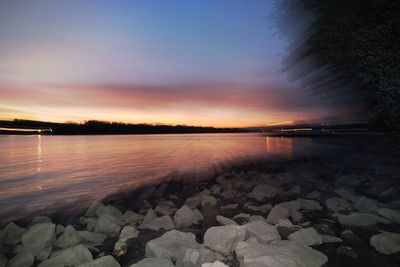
<point>280,123</point>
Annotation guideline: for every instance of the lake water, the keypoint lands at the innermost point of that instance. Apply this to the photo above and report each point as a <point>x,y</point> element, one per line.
<point>41,171</point>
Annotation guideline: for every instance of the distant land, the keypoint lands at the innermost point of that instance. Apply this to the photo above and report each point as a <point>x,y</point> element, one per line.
<point>103,127</point>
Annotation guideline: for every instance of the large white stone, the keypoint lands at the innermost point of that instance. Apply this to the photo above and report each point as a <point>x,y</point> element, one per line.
<point>224,239</point>
<point>171,245</point>
<point>130,217</point>
<point>337,204</point>
<point>279,254</point>
<point>214,264</point>
<point>11,234</point>
<point>154,262</point>
<point>39,238</point>
<point>24,258</point>
<point>69,238</point>
<point>360,219</point>
<point>306,236</point>
<point>393,215</point>
<point>106,261</point>
<point>128,232</point>
<point>92,239</point>
<point>109,210</point>
<point>164,222</point>
<point>278,212</point>
<point>262,231</point>
<point>185,217</point>
<point>193,257</point>
<point>264,191</point>
<point>386,242</point>
<point>69,257</point>
<point>108,224</point>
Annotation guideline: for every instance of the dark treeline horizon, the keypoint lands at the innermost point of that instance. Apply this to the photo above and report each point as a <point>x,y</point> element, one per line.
<point>109,127</point>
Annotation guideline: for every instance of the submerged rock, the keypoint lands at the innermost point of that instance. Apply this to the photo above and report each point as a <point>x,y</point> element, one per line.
<point>280,254</point>
<point>153,262</point>
<point>106,261</point>
<point>386,243</point>
<point>73,256</point>
<point>224,239</point>
<point>337,204</point>
<point>307,236</point>
<point>171,245</point>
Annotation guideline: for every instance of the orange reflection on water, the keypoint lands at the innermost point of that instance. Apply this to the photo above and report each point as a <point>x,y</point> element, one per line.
<point>280,145</point>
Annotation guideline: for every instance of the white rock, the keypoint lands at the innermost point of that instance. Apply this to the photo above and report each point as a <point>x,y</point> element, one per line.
<point>393,215</point>
<point>91,211</point>
<point>291,205</point>
<point>386,243</point>
<point>60,229</point>
<point>194,201</point>
<point>154,262</point>
<point>198,215</point>
<point>208,200</point>
<point>108,224</point>
<point>39,238</point>
<point>214,264</point>
<point>11,234</point>
<point>309,205</point>
<point>337,204</point>
<point>264,191</point>
<point>171,245</point>
<point>165,208</point>
<point>24,258</point>
<point>262,231</point>
<point>278,212</point>
<point>92,239</point>
<point>225,221</point>
<point>128,232</point>
<point>149,217</point>
<point>185,217</point>
<point>196,257</point>
<point>109,210</point>
<point>306,236</point>
<point>360,219</point>
<point>224,239</point>
<point>106,261</point>
<point>284,223</point>
<point>69,257</point>
<point>242,216</point>
<point>279,254</point>
<point>69,238</point>
<point>367,205</point>
<point>164,222</point>
<point>40,219</point>
<point>130,217</point>
<point>90,223</point>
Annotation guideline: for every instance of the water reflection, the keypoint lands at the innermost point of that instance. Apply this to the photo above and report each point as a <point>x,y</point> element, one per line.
<point>40,171</point>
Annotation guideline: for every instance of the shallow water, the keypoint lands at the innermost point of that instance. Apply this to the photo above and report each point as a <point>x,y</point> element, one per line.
<point>40,171</point>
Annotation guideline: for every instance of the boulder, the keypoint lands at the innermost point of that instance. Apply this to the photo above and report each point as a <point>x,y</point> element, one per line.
<point>128,232</point>
<point>364,204</point>
<point>386,243</point>
<point>278,212</point>
<point>214,264</point>
<point>108,224</point>
<point>337,204</point>
<point>280,254</point>
<point>224,239</point>
<point>254,218</point>
<point>309,205</point>
<point>24,258</point>
<point>165,208</point>
<point>106,261</point>
<point>69,257</point>
<point>306,236</point>
<point>208,199</point>
<point>91,211</point>
<point>39,239</point>
<point>193,257</point>
<point>130,217</point>
<point>171,245</point>
<point>11,234</point>
<point>390,214</point>
<point>292,205</point>
<point>149,217</point>
<point>153,262</point>
<point>164,222</point>
<point>92,239</point>
<point>90,223</point>
<point>60,229</point>
<point>40,219</point>
<point>185,217</point>
<point>262,231</point>
<point>69,238</point>
<point>264,191</point>
<point>108,210</point>
<point>360,219</point>
<point>194,201</point>
<point>225,221</point>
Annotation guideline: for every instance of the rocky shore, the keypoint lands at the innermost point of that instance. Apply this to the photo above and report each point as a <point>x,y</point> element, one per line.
<point>336,212</point>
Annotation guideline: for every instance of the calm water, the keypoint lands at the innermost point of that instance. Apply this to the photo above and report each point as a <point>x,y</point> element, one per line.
<point>40,171</point>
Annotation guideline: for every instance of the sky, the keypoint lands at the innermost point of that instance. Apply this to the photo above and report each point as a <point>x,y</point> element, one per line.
<point>207,63</point>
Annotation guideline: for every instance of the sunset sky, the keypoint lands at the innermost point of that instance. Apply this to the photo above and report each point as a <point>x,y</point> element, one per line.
<point>209,62</point>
